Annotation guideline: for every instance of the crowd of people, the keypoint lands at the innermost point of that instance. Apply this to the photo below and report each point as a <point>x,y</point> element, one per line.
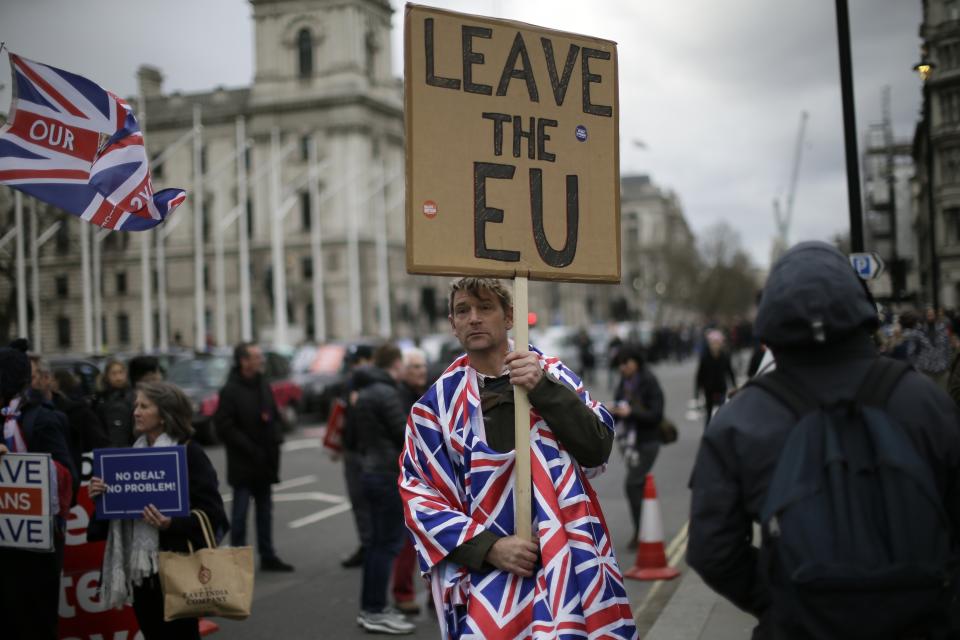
<point>450,513</point>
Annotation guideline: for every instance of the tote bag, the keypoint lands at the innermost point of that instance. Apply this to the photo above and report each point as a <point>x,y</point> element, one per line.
<point>207,582</point>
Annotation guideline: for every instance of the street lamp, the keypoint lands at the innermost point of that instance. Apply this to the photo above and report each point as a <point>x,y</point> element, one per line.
<point>925,69</point>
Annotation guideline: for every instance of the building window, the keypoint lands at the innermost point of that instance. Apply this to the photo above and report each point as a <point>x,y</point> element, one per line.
<point>305,53</point>
<point>205,222</point>
<point>63,236</point>
<point>370,42</point>
<point>305,210</point>
<point>63,286</point>
<point>203,159</point>
<point>951,222</point>
<point>950,106</point>
<point>121,283</point>
<point>156,170</point>
<point>63,332</point>
<point>305,148</point>
<point>306,268</point>
<point>950,165</point>
<point>333,262</point>
<point>249,218</point>
<point>123,328</point>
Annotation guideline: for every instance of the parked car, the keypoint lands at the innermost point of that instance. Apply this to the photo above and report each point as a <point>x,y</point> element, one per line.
<point>321,371</point>
<point>202,376</point>
<point>87,371</point>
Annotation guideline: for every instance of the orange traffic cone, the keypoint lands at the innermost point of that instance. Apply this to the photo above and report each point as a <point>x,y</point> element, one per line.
<point>651,563</point>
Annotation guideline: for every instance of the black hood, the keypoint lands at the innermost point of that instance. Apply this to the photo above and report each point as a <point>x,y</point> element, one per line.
<point>367,375</point>
<point>813,297</point>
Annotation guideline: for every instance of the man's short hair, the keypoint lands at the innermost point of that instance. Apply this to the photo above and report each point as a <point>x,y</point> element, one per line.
<point>412,352</point>
<point>474,286</point>
<point>386,355</point>
<point>140,366</point>
<point>241,351</point>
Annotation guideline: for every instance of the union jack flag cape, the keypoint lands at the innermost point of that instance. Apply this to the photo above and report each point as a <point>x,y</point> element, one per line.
<point>454,486</point>
<point>77,146</point>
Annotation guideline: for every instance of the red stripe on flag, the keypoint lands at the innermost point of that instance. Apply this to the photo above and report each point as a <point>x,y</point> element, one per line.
<point>40,174</point>
<point>55,135</point>
<point>43,84</point>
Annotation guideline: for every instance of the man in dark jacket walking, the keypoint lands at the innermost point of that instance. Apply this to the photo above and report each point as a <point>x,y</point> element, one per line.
<point>817,317</point>
<point>380,420</point>
<point>248,424</point>
<point>639,410</point>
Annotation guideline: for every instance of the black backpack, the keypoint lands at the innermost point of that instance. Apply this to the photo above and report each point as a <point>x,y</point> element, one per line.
<point>855,539</point>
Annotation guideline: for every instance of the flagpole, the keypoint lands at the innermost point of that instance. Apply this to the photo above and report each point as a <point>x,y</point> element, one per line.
<point>37,342</point>
<point>276,245</point>
<point>219,275</point>
<point>163,321</point>
<point>200,338</point>
<point>243,232</point>
<point>146,282</point>
<point>383,279</point>
<point>98,337</point>
<point>21,265</point>
<point>354,281</point>
<point>85,275</point>
<point>316,246</point>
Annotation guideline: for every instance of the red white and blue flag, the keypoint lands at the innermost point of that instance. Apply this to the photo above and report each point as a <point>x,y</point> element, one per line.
<point>77,146</point>
<point>454,486</point>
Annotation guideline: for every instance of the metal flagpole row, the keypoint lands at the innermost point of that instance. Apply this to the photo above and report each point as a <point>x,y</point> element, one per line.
<point>316,245</point>
<point>37,341</point>
<point>276,245</point>
<point>199,294</point>
<point>21,265</point>
<point>87,302</point>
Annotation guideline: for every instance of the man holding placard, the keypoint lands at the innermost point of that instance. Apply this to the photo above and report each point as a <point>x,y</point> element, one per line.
<point>458,488</point>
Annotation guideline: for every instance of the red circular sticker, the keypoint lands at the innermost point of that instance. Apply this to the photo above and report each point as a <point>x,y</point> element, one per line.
<point>430,209</point>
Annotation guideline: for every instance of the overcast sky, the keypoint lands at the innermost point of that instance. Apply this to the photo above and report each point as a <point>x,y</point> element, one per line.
<point>713,90</point>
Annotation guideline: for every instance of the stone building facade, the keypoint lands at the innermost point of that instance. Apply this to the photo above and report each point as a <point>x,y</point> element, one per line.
<point>323,74</point>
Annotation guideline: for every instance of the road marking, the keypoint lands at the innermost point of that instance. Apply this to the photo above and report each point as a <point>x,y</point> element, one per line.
<point>320,515</point>
<point>318,496</point>
<point>280,486</point>
<point>675,551</point>
<point>297,445</point>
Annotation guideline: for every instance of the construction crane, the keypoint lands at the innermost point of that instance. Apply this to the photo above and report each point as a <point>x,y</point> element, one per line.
<point>784,216</point>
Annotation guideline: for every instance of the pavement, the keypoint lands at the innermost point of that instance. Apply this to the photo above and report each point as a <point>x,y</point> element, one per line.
<point>696,612</point>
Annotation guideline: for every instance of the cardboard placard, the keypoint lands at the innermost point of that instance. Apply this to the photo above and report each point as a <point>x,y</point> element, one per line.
<point>512,135</point>
<point>26,520</point>
<point>138,477</point>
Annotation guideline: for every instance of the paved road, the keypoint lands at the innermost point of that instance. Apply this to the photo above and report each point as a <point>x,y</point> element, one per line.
<point>313,529</point>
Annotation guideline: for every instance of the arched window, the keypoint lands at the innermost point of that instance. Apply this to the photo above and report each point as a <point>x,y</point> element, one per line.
<point>305,52</point>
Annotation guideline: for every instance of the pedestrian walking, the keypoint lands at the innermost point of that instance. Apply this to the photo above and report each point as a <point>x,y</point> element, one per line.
<point>379,418</point>
<point>458,493</point>
<point>30,580</point>
<point>713,373</point>
<point>850,463</point>
<point>249,425</point>
<point>360,356</point>
<point>638,407</point>
<point>162,416</point>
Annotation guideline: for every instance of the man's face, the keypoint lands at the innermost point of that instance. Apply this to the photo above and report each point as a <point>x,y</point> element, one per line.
<point>252,364</point>
<point>479,322</point>
<point>415,371</point>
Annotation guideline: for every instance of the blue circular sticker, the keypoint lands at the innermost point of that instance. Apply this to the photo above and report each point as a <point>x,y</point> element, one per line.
<point>581,133</point>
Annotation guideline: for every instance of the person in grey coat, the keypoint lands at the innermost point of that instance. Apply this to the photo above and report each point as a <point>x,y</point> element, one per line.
<point>817,317</point>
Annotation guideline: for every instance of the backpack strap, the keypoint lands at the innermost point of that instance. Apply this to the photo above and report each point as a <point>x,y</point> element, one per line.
<point>878,383</point>
<point>786,390</point>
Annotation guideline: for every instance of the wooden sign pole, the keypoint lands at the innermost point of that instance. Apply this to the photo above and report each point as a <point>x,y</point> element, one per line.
<point>522,486</point>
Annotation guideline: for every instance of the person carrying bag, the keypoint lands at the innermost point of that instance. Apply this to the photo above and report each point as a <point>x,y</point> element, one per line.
<point>207,582</point>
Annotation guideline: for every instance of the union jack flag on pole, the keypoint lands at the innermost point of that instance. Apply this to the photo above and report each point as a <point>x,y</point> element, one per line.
<point>75,145</point>
<point>454,486</point>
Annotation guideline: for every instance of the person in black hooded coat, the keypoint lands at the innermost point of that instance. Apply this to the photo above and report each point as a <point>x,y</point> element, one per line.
<point>249,425</point>
<point>817,317</point>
